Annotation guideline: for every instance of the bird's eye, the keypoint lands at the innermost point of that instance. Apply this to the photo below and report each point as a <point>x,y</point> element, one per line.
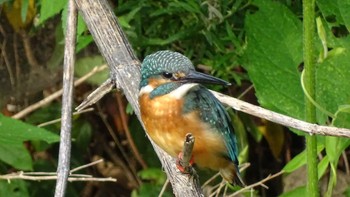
<point>167,75</point>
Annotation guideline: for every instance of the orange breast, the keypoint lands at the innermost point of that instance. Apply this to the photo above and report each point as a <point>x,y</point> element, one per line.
<point>167,126</point>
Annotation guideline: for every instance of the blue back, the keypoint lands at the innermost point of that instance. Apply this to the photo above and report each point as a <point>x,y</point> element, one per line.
<point>213,112</point>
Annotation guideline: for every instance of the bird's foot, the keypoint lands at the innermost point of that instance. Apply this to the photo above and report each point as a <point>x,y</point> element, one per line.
<point>184,167</point>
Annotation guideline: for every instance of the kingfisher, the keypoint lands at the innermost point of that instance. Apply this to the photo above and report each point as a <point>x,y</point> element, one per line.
<point>173,103</point>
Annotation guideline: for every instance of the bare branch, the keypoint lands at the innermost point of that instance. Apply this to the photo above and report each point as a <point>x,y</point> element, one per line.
<point>59,119</point>
<point>67,101</point>
<point>261,183</point>
<point>284,120</point>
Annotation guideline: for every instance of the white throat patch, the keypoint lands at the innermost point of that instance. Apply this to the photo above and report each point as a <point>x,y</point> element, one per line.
<point>146,89</point>
<point>178,93</point>
<point>181,91</point>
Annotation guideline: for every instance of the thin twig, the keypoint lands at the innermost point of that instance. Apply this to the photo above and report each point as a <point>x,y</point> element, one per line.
<point>245,92</point>
<point>128,134</point>
<point>39,176</point>
<point>217,188</point>
<point>284,120</point>
<point>130,172</point>
<point>67,101</point>
<point>17,64</point>
<point>163,188</point>
<point>59,119</point>
<point>4,55</point>
<point>211,179</point>
<point>71,178</point>
<point>56,94</point>
<point>28,50</point>
<point>260,183</point>
<point>86,165</point>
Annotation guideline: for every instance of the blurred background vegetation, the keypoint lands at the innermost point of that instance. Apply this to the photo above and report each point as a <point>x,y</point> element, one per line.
<point>257,45</point>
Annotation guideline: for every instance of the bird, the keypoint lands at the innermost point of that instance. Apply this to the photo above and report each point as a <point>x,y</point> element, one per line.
<point>173,102</point>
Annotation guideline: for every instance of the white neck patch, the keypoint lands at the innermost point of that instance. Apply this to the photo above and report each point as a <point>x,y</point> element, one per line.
<point>178,93</point>
<point>146,90</point>
<point>181,91</point>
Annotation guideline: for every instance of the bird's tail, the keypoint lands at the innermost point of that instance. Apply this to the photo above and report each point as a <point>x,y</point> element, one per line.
<point>231,174</point>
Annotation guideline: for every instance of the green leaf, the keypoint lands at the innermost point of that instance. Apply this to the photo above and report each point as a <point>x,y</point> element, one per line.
<point>129,109</point>
<point>335,146</point>
<point>299,160</point>
<point>342,117</point>
<point>12,135</point>
<point>50,8</point>
<point>24,10</point>
<point>14,188</point>
<point>322,166</point>
<point>15,154</point>
<point>297,192</point>
<point>86,64</point>
<point>333,85</point>
<point>18,131</point>
<point>153,174</point>
<point>83,41</point>
<point>339,8</point>
<point>274,36</point>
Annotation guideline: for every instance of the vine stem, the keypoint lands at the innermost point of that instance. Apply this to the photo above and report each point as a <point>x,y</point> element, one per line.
<point>310,109</point>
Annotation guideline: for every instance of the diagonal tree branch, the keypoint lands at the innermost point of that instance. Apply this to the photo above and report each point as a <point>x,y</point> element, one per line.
<point>125,73</point>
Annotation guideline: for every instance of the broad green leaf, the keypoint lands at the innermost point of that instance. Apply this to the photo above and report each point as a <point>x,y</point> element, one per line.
<point>333,85</point>
<point>86,64</point>
<point>342,117</point>
<point>12,135</point>
<point>18,131</point>
<point>335,146</point>
<point>339,8</point>
<point>50,8</point>
<point>274,51</point>
<point>14,188</point>
<point>15,154</point>
<point>297,192</point>
<point>300,160</point>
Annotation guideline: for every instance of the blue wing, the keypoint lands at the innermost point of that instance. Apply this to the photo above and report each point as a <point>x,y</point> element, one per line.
<point>212,111</point>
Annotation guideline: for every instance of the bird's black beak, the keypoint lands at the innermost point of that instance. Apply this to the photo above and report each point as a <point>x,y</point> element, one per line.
<point>197,77</point>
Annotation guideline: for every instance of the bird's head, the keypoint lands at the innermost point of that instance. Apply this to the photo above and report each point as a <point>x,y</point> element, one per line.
<point>164,71</point>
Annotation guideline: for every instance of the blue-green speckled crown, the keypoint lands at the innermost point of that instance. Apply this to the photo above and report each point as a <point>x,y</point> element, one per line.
<point>164,61</point>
